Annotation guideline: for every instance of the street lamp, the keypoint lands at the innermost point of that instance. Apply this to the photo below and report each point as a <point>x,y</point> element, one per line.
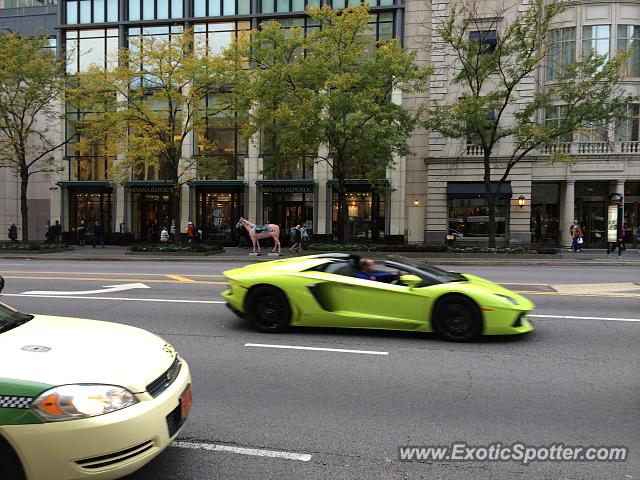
<point>521,201</point>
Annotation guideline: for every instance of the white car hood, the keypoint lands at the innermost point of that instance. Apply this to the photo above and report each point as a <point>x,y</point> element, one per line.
<point>83,351</point>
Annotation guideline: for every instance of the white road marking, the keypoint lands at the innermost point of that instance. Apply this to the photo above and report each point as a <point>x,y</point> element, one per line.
<point>104,289</point>
<point>293,347</point>
<point>125,299</point>
<point>575,317</point>
<point>258,452</point>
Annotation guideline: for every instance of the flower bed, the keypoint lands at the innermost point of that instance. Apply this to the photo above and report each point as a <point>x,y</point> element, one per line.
<point>33,247</point>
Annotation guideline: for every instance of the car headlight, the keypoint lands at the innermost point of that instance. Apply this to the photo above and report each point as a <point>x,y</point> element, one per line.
<point>70,402</point>
<point>507,298</point>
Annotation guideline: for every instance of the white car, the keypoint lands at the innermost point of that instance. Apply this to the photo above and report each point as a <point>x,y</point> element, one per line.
<point>85,399</point>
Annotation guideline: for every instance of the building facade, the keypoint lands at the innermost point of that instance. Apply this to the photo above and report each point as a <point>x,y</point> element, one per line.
<point>434,191</point>
<point>541,199</point>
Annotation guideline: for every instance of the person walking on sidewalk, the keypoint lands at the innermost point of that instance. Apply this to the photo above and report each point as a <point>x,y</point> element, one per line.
<point>576,237</point>
<point>82,231</point>
<point>98,234</point>
<point>191,232</point>
<point>13,233</point>
<point>297,240</point>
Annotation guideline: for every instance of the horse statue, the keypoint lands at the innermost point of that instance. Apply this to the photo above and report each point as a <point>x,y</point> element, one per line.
<point>256,233</point>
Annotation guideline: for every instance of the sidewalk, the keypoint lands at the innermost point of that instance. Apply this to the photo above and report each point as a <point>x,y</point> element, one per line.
<point>629,258</point>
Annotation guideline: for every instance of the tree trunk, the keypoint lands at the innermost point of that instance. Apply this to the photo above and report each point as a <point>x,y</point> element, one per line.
<point>342,212</point>
<point>175,212</point>
<point>24,209</point>
<point>491,199</point>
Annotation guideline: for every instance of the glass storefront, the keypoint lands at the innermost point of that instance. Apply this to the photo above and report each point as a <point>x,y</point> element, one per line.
<point>591,208</point>
<point>217,215</point>
<point>288,210</point>
<point>469,217</point>
<point>152,209</point>
<point>631,222</point>
<point>365,215</point>
<point>545,213</point>
<point>90,207</point>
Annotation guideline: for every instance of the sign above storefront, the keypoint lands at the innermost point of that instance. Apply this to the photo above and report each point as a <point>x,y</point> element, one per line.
<point>150,189</point>
<point>287,188</point>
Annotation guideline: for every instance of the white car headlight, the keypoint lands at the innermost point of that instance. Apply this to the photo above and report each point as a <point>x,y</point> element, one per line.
<point>70,402</point>
<point>508,299</point>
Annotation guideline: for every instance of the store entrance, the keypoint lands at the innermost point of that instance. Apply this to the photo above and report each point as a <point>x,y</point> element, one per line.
<point>288,210</point>
<point>592,217</point>
<point>152,213</point>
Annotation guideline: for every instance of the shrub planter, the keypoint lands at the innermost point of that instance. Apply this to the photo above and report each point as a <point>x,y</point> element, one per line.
<point>159,253</point>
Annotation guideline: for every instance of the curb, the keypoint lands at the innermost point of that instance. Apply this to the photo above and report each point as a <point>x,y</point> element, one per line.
<point>546,262</point>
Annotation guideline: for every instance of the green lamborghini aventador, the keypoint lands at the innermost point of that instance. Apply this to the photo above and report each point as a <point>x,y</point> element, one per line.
<point>330,290</point>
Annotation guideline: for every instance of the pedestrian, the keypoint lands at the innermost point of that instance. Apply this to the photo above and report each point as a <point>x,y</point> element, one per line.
<point>191,232</point>
<point>13,233</point>
<point>57,232</point>
<point>243,236</point>
<point>82,232</point>
<point>49,233</point>
<point>98,234</point>
<point>576,237</point>
<point>164,235</point>
<point>297,240</point>
<point>304,237</point>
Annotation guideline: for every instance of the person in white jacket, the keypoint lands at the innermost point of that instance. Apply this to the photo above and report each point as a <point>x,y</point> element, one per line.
<point>164,235</point>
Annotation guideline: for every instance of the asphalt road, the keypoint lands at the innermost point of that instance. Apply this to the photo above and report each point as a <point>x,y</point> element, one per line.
<point>572,381</point>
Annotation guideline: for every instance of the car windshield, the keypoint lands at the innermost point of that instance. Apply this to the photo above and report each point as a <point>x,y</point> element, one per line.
<point>439,274</point>
<point>10,318</point>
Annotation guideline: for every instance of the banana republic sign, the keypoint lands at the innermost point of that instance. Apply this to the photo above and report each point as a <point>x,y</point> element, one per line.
<point>151,189</point>
<point>287,188</point>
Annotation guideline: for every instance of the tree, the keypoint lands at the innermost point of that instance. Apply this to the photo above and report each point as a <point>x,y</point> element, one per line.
<point>31,81</point>
<point>490,73</point>
<point>150,104</point>
<point>332,88</point>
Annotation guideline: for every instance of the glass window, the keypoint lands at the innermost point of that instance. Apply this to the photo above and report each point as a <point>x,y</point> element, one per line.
<point>112,10</point>
<point>628,128</point>
<point>562,51</point>
<point>163,8</point>
<point>72,13</point>
<point>268,6</point>
<point>215,37</point>
<point>200,8</point>
<point>487,39</point>
<point>470,216</point>
<point>89,47</point>
<point>134,9</point>
<point>554,117</point>
<point>219,213</point>
<point>595,37</point>
<point>244,7</point>
<point>148,9</point>
<point>85,11</point>
<point>365,216</point>
<point>629,39</point>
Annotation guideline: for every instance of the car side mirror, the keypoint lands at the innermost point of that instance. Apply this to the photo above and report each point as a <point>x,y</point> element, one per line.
<point>411,281</point>
<point>1,283</point>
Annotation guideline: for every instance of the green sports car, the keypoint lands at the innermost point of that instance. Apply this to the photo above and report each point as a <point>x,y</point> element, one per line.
<point>327,290</point>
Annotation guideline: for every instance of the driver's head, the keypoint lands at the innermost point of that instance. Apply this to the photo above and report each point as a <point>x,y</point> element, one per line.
<point>367,265</point>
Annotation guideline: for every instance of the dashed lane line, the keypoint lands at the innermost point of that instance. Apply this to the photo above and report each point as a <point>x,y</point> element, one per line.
<point>257,452</point>
<point>318,349</point>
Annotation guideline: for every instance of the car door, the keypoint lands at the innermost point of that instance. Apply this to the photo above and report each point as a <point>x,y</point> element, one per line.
<point>358,303</point>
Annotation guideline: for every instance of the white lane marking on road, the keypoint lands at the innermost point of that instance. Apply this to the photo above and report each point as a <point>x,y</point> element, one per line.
<point>575,317</point>
<point>258,452</point>
<point>294,347</point>
<point>125,299</point>
<point>104,289</point>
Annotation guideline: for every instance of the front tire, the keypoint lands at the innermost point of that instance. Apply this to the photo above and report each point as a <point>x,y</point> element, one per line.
<point>457,319</point>
<point>10,466</point>
<point>268,309</point>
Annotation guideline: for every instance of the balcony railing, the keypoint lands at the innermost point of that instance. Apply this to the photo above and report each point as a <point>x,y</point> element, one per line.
<point>576,148</point>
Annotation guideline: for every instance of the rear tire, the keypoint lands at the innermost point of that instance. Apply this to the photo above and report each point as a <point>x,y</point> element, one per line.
<point>268,309</point>
<point>457,319</point>
<point>10,466</point>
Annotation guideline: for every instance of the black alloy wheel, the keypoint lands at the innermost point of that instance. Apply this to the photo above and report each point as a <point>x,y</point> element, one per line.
<point>457,319</point>
<point>268,309</point>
